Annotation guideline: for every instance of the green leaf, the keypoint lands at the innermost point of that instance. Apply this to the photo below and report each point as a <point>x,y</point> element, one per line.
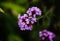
<point>16,9</point>
<point>1,10</point>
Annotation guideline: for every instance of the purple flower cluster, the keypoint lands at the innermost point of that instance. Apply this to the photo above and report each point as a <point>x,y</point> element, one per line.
<point>25,22</point>
<point>33,11</point>
<point>43,34</point>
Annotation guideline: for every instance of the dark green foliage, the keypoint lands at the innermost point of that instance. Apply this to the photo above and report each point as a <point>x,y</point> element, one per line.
<point>9,10</point>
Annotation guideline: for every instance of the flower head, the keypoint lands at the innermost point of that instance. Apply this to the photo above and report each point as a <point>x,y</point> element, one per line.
<point>33,11</point>
<point>25,22</point>
<point>46,34</point>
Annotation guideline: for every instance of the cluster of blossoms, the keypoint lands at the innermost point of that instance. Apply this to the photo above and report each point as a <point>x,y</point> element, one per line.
<point>25,22</point>
<point>33,12</point>
<point>46,34</point>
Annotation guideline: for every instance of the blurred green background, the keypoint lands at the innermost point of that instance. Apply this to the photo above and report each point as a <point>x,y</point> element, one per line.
<point>9,10</point>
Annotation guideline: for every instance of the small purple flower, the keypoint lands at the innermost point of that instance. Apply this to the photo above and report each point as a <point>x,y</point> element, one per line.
<point>33,11</point>
<point>25,22</point>
<point>46,34</point>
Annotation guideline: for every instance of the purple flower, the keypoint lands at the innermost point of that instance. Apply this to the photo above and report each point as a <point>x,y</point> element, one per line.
<point>25,22</point>
<point>46,34</point>
<point>33,11</point>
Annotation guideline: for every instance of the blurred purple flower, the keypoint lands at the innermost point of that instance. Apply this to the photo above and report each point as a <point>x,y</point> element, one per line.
<point>33,11</point>
<point>43,34</point>
<point>25,22</point>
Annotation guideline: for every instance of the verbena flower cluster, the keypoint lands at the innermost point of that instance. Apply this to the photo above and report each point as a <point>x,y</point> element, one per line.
<point>25,22</point>
<point>34,11</point>
<point>46,34</point>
